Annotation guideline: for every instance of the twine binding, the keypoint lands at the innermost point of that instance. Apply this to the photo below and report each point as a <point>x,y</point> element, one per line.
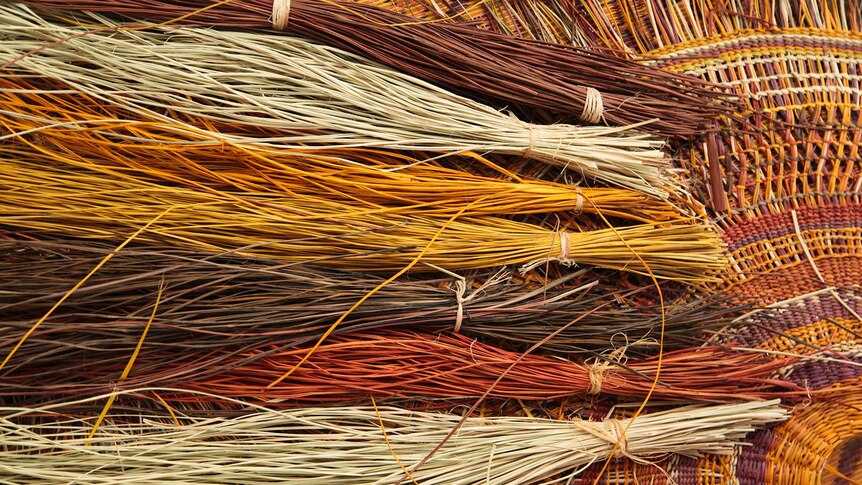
<point>460,290</point>
<point>564,243</point>
<point>616,431</point>
<point>594,107</point>
<point>280,14</point>
<point>598,368</point>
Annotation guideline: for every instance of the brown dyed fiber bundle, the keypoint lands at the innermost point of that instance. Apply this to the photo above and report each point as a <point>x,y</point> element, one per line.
<point>592,85</point>
<point>211,300</point>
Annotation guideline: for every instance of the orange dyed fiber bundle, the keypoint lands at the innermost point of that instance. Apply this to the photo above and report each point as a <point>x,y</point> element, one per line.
<point>106,138</point>
<point>282,92</point>
<point>392,363</point>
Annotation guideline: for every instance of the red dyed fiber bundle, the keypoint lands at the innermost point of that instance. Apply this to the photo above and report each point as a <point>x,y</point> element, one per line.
<point>402,364</point>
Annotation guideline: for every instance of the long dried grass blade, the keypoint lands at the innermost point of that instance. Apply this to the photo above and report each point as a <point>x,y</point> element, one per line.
<point>321,445</point>
<point>41,193</point>
<point>548,76</point>
<point>315,96</point>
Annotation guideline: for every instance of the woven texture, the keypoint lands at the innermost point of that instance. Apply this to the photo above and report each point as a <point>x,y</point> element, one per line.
<point>783,182</point>
<point>782,179</point>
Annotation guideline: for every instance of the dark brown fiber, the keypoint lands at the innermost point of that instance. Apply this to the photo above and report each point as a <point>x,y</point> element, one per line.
<point>527,73</point>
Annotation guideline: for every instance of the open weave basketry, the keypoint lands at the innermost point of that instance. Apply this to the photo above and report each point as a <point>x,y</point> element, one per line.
<point>783,181</point>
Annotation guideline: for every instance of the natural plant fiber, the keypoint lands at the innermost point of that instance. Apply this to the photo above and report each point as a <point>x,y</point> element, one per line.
<point>167,151</point>
<point>794,66</point>
<point>801,449</point>
<point>825,325</point>
<point>780,175</point>
<point>584,23</point>
<point>636,27</point>
<point>282,92</point>
<point>817,445</point>
<point>782,179</point>
<point>403,364</point>
<point>792,147</point>
<point>374,445</point>
<point>533,74</point>
<point>798,144</point>
<point>211,300</point>
<point>42,193</point>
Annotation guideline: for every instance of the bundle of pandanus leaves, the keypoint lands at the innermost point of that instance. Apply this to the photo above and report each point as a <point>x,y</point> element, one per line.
<point>338,241</point>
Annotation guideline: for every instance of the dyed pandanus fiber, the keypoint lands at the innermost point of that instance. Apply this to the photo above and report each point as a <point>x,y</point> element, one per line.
<point>587,23</point>
<point>402,364</point>
<point>591,85</point>
<point>211,300</point>
<point>101,138</point>
<point>282,92</point>
<point>381,445</point>
<point>46,193</point>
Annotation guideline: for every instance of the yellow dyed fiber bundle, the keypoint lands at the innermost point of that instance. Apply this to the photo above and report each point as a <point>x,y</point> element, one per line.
<point>44,193</point>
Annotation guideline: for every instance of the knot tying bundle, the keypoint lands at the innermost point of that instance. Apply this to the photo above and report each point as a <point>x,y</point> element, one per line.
<point>594,107</point>
<point>281,14</point>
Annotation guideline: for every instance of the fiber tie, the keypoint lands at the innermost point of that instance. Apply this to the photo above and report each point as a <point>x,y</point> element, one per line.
<point>579,201</point>
<point>563,257</point>
<point>533,137</point>
<point>597,371</point>
<point>598,368</point>
<point>280,14</point>
<point>616,435</point>
<point>564,244</point>
<point>612,431</point>
<point>532,133</point>
<point>594,107</point>
<point>462,297</point>
<point>461,289</point>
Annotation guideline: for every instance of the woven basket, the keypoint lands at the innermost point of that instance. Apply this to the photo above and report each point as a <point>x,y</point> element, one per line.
<point>783,181</point>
